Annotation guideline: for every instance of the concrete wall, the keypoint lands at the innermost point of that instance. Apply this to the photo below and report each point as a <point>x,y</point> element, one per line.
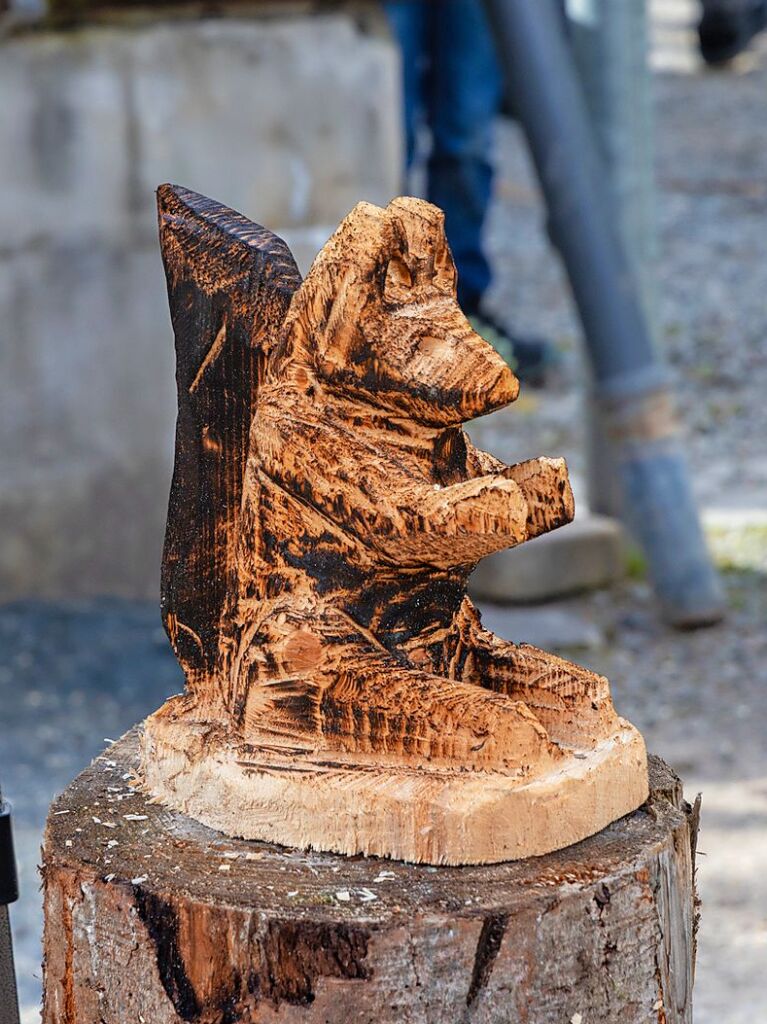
<point>290,120</point>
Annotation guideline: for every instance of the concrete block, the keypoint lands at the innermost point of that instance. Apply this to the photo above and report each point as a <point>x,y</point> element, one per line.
<point>88,411</point>
<point>551,627</point>
<point>586,554</point>
<point>290,119</point>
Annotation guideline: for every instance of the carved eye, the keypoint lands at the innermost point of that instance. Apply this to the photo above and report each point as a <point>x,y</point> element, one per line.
<point>398,279</point>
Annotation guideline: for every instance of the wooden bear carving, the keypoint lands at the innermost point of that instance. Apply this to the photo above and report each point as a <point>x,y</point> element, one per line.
<point>326,512</point>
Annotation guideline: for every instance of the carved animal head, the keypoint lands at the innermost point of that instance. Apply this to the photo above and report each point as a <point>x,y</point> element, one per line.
<point>377,320</point>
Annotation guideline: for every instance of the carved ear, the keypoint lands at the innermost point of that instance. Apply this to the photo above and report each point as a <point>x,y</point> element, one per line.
<point>377,259</point>
<point>419,228</point>
<point>229,286</point>
<point>345,276</point>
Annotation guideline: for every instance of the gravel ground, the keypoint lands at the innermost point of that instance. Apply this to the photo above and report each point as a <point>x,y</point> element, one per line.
<point>71,675</point>
<point>699,698</point>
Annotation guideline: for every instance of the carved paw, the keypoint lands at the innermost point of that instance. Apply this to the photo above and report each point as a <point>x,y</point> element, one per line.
<point>572,703</point>
<point>346,695</point>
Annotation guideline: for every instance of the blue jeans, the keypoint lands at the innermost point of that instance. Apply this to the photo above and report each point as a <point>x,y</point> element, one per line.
<point>452,81</point>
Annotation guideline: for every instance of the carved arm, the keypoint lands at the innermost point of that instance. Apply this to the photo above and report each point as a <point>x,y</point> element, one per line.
<point>384,505</point>
<point>543,482</point>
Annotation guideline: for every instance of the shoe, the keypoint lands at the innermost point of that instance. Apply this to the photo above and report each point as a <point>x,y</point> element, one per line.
<point>725,30</point>
<point>530,358</point>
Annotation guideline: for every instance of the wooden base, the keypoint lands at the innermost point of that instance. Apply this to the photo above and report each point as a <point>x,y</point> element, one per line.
<point>153,917</point>
<point>418,813</point>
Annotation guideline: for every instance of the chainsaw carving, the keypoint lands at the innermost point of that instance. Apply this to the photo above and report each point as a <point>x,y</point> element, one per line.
<point>326,512</point>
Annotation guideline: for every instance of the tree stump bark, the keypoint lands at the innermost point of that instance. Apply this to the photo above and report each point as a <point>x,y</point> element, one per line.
<point>152,918</point>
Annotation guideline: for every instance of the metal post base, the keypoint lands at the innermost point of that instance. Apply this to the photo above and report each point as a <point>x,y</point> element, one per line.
<point>628,373</point>
<point>652,484</point>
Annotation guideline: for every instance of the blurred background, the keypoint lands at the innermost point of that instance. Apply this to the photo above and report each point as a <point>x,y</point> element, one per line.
<point>291,112</point>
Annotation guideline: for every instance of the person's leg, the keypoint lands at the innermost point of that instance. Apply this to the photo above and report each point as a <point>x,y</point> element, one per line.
<point>408,21</point>
<point>463,102</point>
<point>728,26</point>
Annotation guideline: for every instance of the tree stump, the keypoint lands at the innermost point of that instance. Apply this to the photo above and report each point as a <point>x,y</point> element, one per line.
<point>152,918</point>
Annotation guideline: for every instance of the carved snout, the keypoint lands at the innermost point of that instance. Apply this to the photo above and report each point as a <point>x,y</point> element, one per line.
<point>478,401</point>
<point>447,371</point>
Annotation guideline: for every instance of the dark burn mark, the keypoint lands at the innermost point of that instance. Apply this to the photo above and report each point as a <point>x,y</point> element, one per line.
<point>488,945</point>
<point>365,605</point>
<point>406,615</point>
<point>238,709</point>
<point>450,454</point>
<point>161,922</point>
<point>328,566</point>
<point>269,542</point>
<point>213,256</point>
<point>602,897</point>
<point>290,958</point>
<point>426,402</point>
<point>395,616</point>
<point>300,708</point>
<point>341,719</point>
<point>229,1011</point>
<point>294,954</point>
<point>230,1008</point>
<point>277,584</point>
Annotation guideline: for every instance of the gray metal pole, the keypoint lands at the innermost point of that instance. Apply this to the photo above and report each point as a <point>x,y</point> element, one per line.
<point>609,43</point>
<point>9,1000</point>
<point>630,380</point>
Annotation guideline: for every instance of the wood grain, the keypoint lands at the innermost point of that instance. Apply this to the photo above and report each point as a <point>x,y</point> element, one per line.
<point>225,276</point>
<point>327,510</point>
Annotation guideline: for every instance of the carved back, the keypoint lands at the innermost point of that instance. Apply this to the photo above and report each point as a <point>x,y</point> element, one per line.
<point>230,282</point>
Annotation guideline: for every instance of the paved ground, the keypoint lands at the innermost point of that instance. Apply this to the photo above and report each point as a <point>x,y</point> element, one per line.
<point>72,675</point>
